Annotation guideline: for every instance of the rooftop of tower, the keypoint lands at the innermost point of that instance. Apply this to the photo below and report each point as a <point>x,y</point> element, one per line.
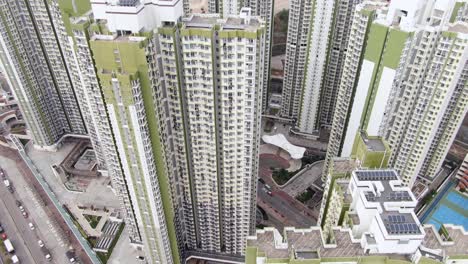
<point>460,27</point>
<point>230,23</point>
<point>382,189</point>
<point>373,144</point>
<point>310,244</point>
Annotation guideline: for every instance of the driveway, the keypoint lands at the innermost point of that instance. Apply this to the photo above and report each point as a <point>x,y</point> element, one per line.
<point>300,182</point>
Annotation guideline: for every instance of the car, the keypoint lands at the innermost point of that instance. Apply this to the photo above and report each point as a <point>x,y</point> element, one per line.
<point>269,193</point>
<point>1,229</point>
<point>25,214</point>
<point>31,226</point>
<point>40,243</point>
<point>140,258</point>
<point>268,187</point>
<point>261,180</point>
<point>71,256</point>
<point>18,203</point>
<point>21,208</point>
<point>4,236</point>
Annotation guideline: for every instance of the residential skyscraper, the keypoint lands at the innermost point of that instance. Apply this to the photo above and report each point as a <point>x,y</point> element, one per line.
<point>411,95</point>
<point>262,9</point>
<point>32,55</point>
<point>177,104</point>
<point>318,34</point>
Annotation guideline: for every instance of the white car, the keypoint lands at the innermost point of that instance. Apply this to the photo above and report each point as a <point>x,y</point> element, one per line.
<point>40,243</point>
<point>31,226</point>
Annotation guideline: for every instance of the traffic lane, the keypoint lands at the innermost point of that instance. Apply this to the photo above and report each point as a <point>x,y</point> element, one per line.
<point>22,224</point>
<point>14,228</point>
<point>49,207</point>
<point>46,228</point>
<point>284,208</point>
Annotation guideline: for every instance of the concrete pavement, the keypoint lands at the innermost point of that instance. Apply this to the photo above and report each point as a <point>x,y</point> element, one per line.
<point>97,194</point>
<point>300,182</point>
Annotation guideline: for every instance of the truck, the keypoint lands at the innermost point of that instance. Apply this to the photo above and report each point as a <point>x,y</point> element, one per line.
<point>46,253</point>
<point>9,247</point>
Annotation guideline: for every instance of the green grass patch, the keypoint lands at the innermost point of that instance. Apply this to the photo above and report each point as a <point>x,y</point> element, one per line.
<point>305,196</point>
<point>282,176</point>
<point>268,126</point>
<point>93,220</point>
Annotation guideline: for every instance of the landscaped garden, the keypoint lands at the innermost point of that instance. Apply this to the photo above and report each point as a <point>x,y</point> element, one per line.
<point>282,176</point>
<point>93,220</point>
<point>305,196</point>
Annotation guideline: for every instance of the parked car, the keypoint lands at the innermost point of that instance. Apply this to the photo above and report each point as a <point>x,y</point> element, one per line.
<point>25,214</point>
<point>71,256</point>
<point>18,203</point>
<point>4,236</point>
<point>40,243</point>
<point>31,226</point>
<point>46,253</point>
<point>1,229</point>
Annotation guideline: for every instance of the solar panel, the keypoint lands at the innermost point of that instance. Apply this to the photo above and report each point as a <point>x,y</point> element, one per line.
<point>376,175</point>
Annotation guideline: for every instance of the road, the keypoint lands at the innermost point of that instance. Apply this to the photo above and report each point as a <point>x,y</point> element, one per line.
<point>16,227</point>
<point>51,227</point>
<point>299,184</point>
<point>280,207</point>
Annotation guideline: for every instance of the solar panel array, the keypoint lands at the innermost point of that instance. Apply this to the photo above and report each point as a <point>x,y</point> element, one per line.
<point>398,224</point>
<point>396,218</point>
<point>376,175</point>
<point>129,2</point>
<point>403,228</point>
<point>399,196</point>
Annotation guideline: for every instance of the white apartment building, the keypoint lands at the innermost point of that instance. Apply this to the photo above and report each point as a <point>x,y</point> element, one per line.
<point>32,51</point>
<point>411,95</point>
<point>300,15</point>
<point>318,33</point>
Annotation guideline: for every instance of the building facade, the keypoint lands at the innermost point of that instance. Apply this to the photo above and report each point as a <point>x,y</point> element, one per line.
<point>262,9</point>
<point>318,33</point>
<point>218,99</point>
<point>398,88</point>
<point>176,105</point>
<point>32,55</point>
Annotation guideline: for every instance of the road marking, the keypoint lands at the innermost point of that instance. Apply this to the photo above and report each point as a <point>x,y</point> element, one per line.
<point>42,214</point>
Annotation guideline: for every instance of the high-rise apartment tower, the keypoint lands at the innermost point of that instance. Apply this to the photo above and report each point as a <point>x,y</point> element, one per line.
<point>33,46</point>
